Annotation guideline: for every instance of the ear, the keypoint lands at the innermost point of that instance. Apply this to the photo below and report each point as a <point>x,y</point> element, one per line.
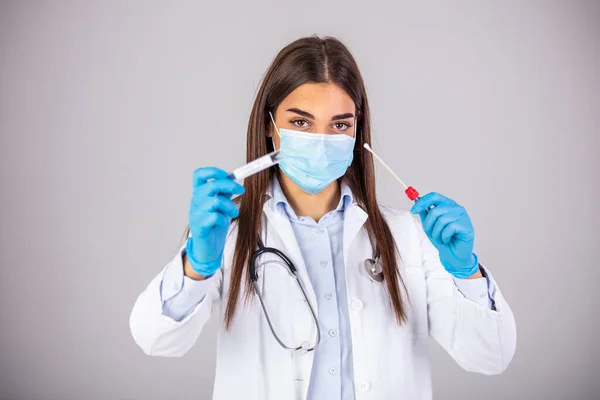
<point>269,132</point>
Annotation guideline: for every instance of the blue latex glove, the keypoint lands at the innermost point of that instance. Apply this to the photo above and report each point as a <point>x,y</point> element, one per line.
<point>450,230</point>
<point>211,212</point>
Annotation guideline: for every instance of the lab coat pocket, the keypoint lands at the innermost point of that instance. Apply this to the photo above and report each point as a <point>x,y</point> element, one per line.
<point>416,301</point>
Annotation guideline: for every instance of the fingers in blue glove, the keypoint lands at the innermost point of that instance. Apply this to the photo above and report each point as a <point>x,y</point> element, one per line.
<point>432,217</point>
<point>451,217</point>
<point>206,212</point>
<point>216,220</point>
<point>204,174</point>
<point>449,228</point>
<point>211,212</point>
<point>430,199</point>
<point>447,234</point>
<point>226,187</point>
<point>220,204</point>
<point>224,205</point>
<point>463,229</point>
<point>422,215</point>
<point>203,222</point>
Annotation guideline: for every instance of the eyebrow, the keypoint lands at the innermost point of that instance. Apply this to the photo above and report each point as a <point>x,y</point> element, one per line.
<point>342,116</point>
<point>309,115</point>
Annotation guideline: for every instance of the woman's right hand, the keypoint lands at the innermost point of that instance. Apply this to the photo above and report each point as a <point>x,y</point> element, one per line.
<point>211,212</point>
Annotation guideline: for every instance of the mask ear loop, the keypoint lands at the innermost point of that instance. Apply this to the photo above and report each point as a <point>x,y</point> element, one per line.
<point>276,129</point>
<point>274,124</point>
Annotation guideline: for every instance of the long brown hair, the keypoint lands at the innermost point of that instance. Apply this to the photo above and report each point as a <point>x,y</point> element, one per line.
<point>310,60</point>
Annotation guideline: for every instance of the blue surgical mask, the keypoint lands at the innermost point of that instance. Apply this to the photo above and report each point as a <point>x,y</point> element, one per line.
<point>314,160</point>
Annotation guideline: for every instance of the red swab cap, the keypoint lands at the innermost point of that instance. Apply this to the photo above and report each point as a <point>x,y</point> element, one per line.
<point>411,193</point>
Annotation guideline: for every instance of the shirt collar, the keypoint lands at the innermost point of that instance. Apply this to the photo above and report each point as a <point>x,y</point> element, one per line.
<point>277,197</point>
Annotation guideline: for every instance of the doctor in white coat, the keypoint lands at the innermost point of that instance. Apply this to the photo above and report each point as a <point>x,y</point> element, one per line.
<point>321,293</point>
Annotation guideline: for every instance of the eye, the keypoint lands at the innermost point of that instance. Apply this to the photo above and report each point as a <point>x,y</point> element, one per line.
<point>341,126</point>
<point>300,123</point>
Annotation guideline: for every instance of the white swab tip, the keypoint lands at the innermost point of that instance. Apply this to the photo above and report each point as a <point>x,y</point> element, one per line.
<point>366,146</point>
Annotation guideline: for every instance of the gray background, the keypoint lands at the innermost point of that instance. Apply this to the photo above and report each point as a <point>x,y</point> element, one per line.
<point>106,108</point>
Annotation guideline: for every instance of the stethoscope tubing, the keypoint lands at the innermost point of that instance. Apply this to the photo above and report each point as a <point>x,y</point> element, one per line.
<point>293,271</point>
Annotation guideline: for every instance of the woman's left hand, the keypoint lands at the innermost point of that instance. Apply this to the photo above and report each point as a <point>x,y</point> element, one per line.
<point>449,228</point>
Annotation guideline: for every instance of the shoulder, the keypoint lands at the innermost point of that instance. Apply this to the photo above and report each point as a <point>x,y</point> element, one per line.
<point>402,222</point>
<point>407,231</point>
<point>398,217</point>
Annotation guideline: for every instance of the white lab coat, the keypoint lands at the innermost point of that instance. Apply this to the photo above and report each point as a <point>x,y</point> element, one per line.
<point>390,361</point>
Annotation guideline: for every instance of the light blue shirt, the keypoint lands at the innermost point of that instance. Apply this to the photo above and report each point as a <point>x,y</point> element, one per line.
<point>321,246</point>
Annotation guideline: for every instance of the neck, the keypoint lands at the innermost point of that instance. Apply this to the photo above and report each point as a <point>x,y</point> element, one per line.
<point>309,205</point>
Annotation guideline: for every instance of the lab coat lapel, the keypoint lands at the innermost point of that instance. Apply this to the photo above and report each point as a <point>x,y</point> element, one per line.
<point>283,228</point>
<point>353,221</point>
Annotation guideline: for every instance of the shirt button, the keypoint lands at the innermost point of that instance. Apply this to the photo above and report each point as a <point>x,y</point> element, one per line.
<point>356,304</point>
<point>482,295</point>
<point>364,386</point>
<point>328,296</point>
<point>332,332</point>
<point>320,231</point>
<point>324,263</point>
<point>332,370</point>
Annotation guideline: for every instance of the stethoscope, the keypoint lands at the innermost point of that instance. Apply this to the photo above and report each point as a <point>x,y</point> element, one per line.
<point>372,266</point>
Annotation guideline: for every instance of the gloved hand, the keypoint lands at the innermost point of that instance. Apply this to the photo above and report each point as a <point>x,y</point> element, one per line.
<point>211,212</point>
<point>450,230</point>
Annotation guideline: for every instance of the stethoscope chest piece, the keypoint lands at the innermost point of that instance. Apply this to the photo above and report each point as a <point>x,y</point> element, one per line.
<point>374,270</point>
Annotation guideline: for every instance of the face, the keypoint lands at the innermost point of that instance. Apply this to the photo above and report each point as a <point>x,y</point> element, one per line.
<point>315,108</point>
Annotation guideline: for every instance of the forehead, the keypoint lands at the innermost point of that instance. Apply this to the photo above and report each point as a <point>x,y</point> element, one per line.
<point>323,100</point>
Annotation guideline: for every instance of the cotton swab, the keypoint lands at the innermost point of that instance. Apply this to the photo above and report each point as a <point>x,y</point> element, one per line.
<point>411,192</point>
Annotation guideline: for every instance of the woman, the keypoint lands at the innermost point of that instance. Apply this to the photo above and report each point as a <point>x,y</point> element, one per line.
<point>318,208</point>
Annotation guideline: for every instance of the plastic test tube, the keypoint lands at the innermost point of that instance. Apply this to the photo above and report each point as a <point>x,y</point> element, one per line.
<point>254,167</point>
